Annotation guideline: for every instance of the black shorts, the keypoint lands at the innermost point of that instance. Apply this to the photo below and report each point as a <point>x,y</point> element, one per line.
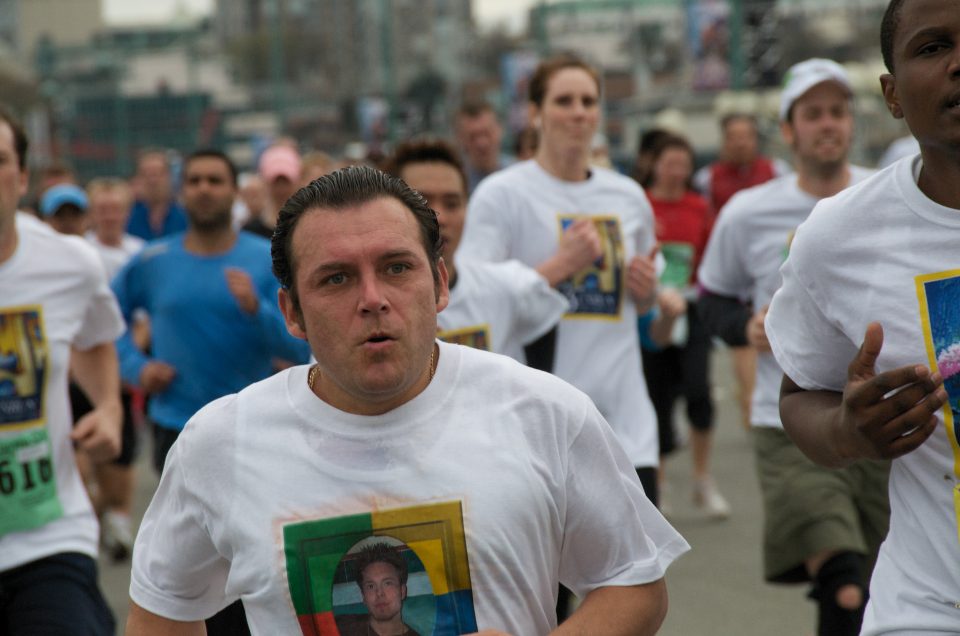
<point>54,596</point>
<point>163,439</point>
<point>80,406</point>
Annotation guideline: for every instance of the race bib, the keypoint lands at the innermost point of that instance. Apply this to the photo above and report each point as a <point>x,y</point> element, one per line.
<point>679,258</point>
<point>28,485</point>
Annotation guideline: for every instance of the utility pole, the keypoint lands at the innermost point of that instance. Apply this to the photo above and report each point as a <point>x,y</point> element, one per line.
<point>389,76</point>
<point>737,62</point>
<point>277,79</point>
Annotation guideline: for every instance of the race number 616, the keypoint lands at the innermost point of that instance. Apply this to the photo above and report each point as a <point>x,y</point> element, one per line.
<point>34,472</point>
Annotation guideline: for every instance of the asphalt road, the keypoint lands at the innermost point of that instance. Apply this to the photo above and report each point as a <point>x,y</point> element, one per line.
<point>715,590</point>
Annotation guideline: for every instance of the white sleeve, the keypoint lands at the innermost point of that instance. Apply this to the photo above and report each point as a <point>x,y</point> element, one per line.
<point>647,236</point>
<point>612,535</point>
<point>177,571</point>
<point>810,347</point>
<point>537,307</point>
<point>488,232</point>
<point>722,270</point>
<point>102,321</point>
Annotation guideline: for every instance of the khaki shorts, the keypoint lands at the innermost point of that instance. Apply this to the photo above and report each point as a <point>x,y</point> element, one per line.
<point>809,509</point>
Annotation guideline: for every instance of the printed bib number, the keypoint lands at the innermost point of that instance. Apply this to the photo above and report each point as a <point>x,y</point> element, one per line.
<point>28,484</point>
<point>679,258</point>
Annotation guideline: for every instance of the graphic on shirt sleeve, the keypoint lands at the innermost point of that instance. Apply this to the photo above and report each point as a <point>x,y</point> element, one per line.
<point>596,291</point>
<point>400,571</point>
<point>679,258</point>
<point>477,336</point>
<point>939,296</point>
<point>23,368</point>
<point>28,485</point>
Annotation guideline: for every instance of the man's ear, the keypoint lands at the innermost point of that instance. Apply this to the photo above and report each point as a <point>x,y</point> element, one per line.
<point>291,314</point>
<point>888,85</point>
<point>786,131</point>
<point>442,286</point>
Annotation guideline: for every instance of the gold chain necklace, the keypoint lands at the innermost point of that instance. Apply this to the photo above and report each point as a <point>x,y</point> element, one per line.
<point>315,370</point>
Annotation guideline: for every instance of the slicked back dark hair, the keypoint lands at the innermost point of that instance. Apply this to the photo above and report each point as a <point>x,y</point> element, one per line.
<point>347,187</point>
<point>380,553</point>
<point>888,31</point>
<point>425,151</point>
<point>20,141</point>
<point>212,153</point>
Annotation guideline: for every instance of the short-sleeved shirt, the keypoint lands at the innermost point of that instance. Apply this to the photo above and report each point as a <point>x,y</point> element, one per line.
<point>883,251</point>
<point>520,213</point>
<point>492,483</point>
<point>500,307</point>
<point>53,296</point>
<point>748,245</point>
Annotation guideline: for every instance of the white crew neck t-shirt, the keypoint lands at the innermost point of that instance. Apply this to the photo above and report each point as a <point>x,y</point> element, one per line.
<point>497,479</point>
<point>520,213</point>
<point>53,295</point>
<point>500,307</point>
<point>743,257</point>
<point>883,251</point>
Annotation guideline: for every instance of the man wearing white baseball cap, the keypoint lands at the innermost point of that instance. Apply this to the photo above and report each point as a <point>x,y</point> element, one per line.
<point>820,525</point>
<point>804,76</point>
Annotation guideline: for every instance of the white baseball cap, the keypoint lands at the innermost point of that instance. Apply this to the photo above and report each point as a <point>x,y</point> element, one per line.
<point>803,76</point>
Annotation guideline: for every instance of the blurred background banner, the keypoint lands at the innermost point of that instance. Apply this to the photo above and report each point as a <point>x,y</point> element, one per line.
<point>100,80</point>
<point>708,40</point>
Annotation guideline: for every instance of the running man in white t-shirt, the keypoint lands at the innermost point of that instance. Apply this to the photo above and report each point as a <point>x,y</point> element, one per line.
<point>590,232</point>
<point>494,481</point>
<point>499,307</point>
<point>56,313</point>
<point>820,526</point>
<point>866,328</point>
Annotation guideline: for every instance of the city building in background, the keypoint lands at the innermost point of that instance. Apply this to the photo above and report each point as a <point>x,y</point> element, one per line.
<point>337,75</point>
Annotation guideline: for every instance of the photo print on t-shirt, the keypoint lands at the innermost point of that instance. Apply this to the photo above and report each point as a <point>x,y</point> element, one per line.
<point>381,579</point>
<point>23,367</point>
<point>477,336</point>
<point>939,296</point>
<point>329,561</point>
<point>597,291</point>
